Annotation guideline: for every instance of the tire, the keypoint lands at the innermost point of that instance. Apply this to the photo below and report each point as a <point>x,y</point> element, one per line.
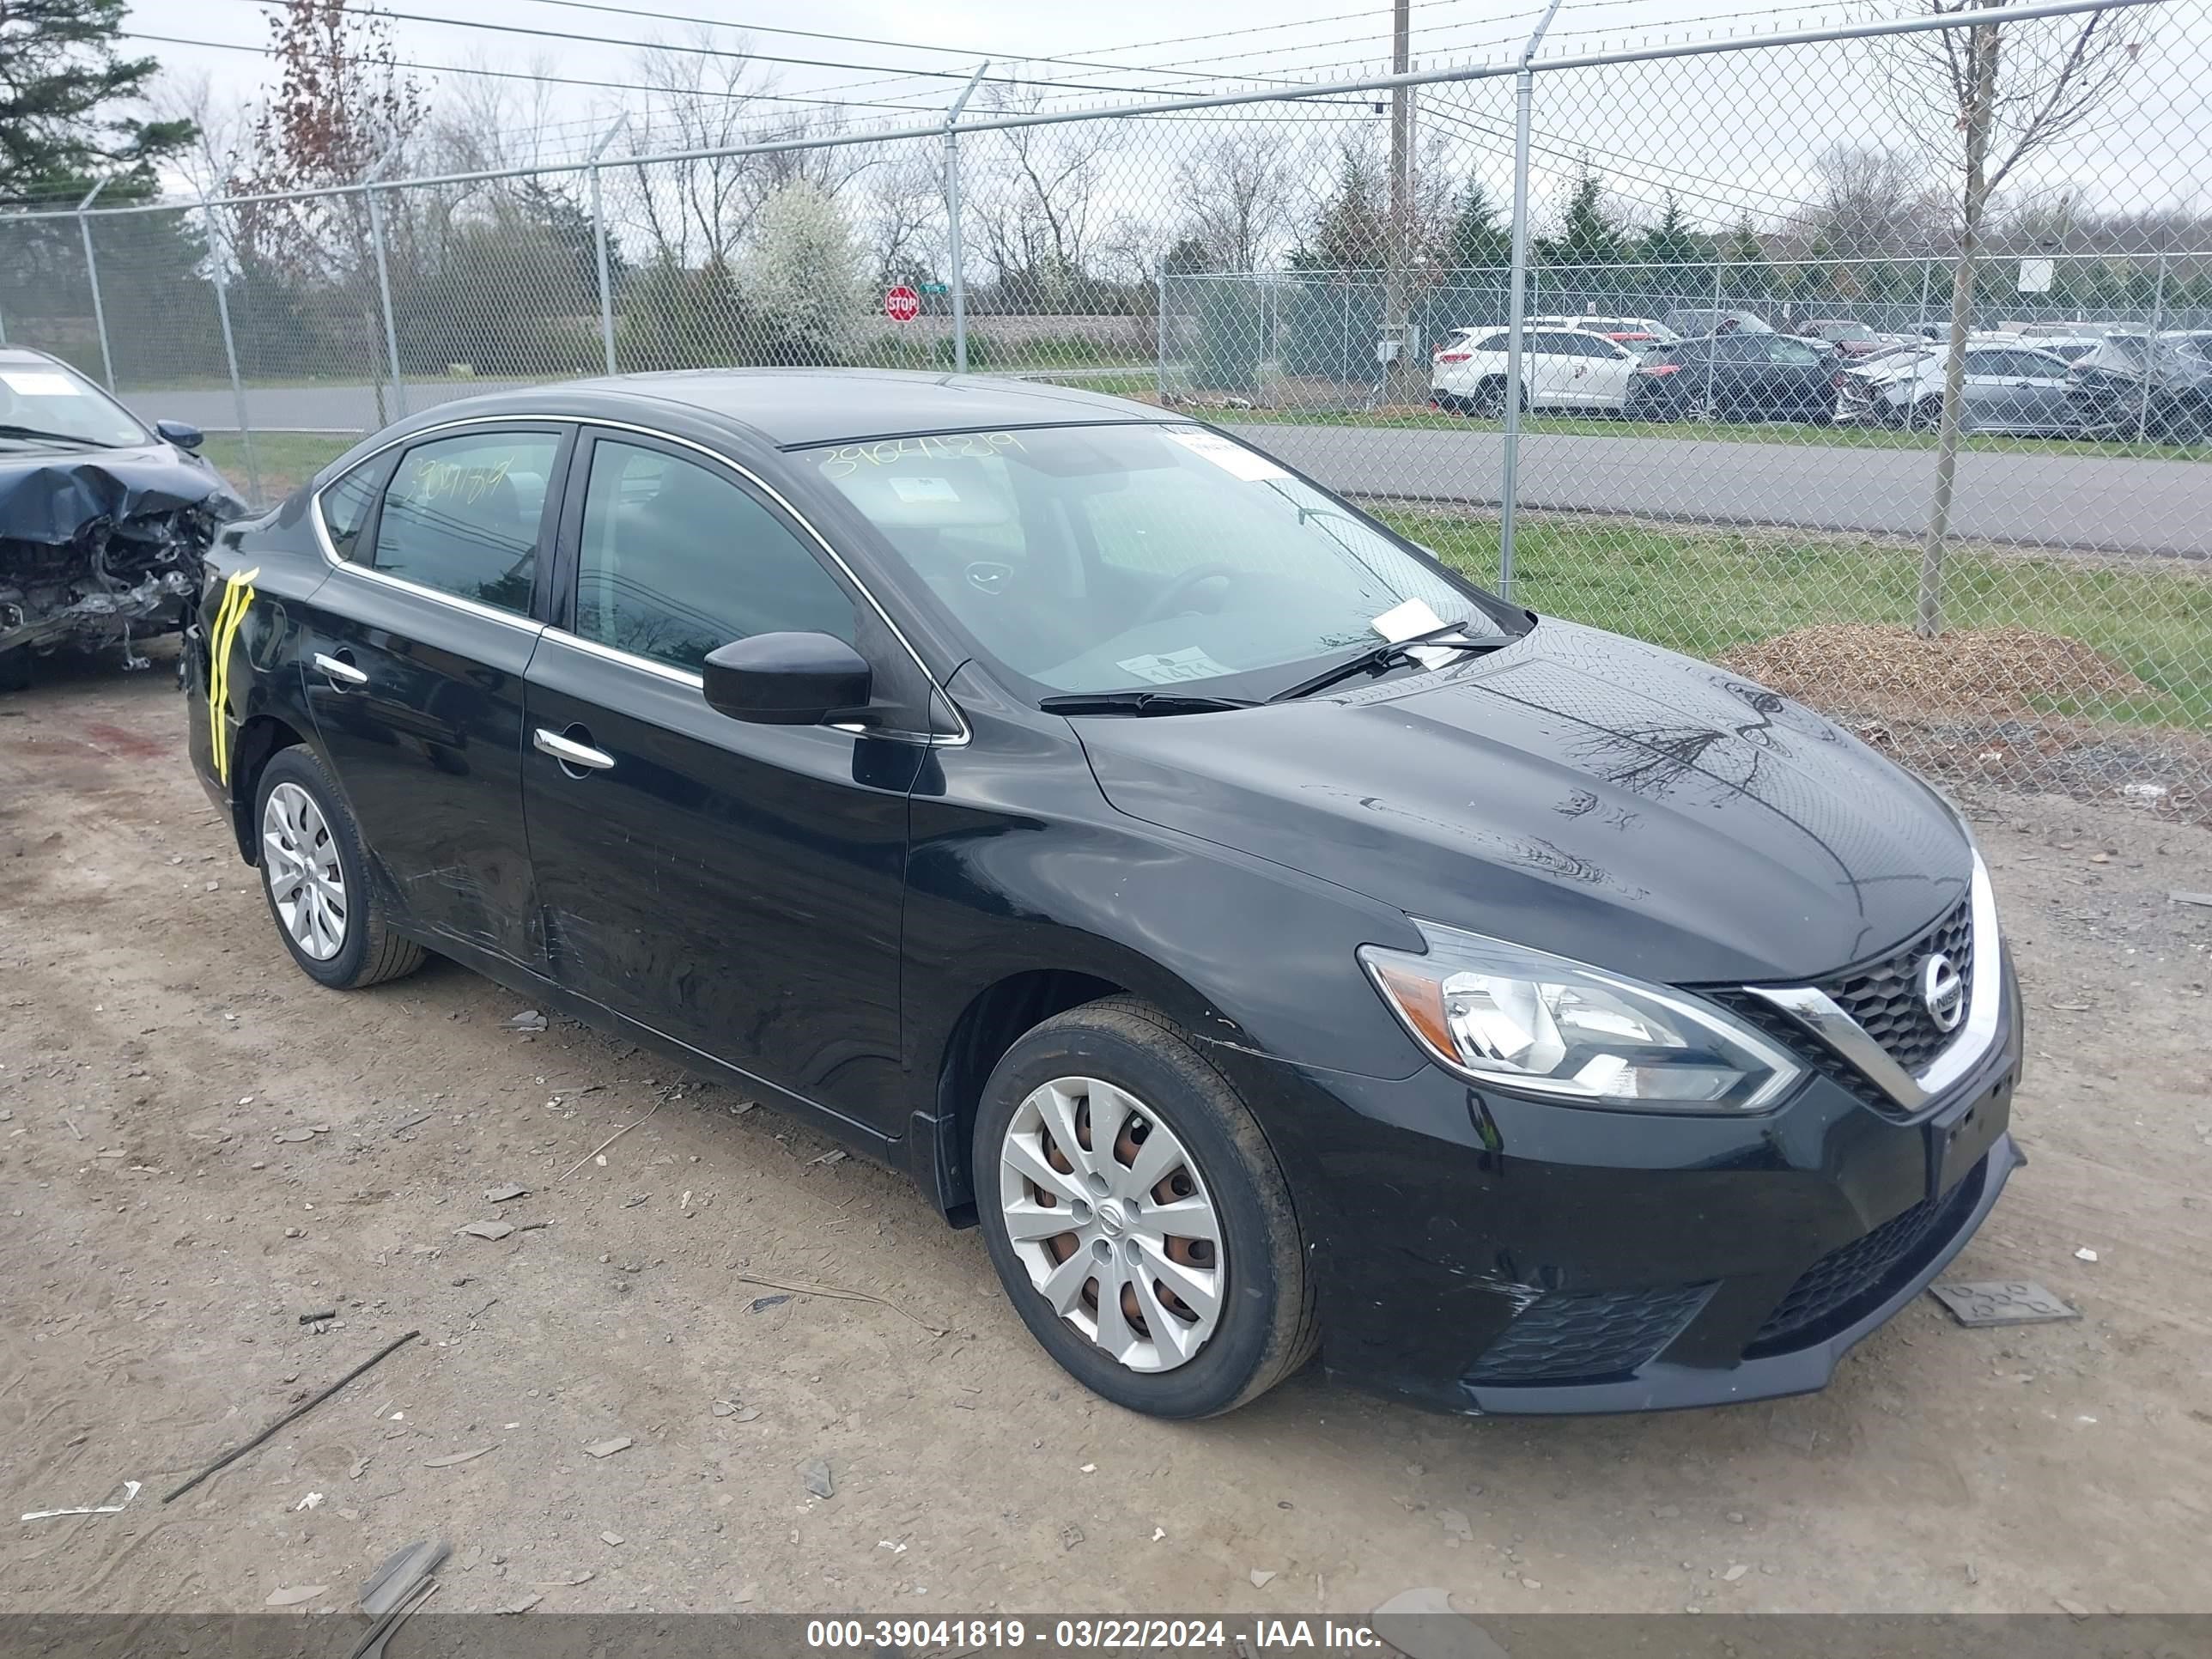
<point>1928,415</point>
<point>367,950</point>
<point>1213,1163</point>
<point>15,670</point>
<point>1489,400</point>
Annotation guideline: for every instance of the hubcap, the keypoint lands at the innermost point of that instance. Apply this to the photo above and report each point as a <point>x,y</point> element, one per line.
<point>1110,1215</point>
<point>299,862</point>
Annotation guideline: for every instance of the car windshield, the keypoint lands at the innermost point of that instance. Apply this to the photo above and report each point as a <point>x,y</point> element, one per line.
<point>1109,558</point>
<point>1780,349</point>
<point>41,396</point>
<point>1841,331</point>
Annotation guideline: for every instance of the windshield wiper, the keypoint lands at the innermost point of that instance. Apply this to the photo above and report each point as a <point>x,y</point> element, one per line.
<point>41,433</point>
<point>1141,702</point>
<point>1381,656</point>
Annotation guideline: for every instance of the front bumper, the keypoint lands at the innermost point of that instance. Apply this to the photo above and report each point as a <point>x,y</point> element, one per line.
<point>1483,1254</point>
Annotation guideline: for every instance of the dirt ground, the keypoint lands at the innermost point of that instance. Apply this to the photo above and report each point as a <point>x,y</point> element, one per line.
<point>165,1224</point>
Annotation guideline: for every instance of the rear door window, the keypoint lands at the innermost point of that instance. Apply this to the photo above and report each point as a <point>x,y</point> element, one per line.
<point>344,505</point>
<point>463,516</point>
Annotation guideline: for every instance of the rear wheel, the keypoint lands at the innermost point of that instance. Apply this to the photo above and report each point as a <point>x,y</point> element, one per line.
<point>1137,1216</point>
<point>1489,399</point>
<point>315,877</point>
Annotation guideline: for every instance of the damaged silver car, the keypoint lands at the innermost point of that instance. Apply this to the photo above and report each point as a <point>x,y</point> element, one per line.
<point>103,523</point>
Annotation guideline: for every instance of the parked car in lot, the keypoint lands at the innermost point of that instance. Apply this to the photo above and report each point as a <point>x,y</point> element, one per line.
<point>2007,388</point>
<point>1693,323</point>
<point>2191,343</point>
<point>1070,805</point>
<point>1561,368</point>
<point>1751,375</point>
<point>102,520</point>
<point>2132,383</point>
<point>1852,339</point>
<point>1618,329</point>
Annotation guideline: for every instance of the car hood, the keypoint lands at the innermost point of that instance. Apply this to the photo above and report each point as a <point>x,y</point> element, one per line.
<point>1576,792</point>
<point>50,494</point>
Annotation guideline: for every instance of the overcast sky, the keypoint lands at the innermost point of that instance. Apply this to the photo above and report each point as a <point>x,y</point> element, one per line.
<point>1724,135</point>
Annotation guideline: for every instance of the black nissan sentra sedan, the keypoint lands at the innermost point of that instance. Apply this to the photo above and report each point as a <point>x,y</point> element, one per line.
<point>1273,942</point>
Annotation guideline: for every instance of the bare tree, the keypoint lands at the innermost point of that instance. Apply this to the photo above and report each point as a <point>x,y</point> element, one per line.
<point>1869,203</point>
<point>905,216</point>
<point>485,123</point>
<point>1039,206</point>
<point>219,122</point>
<point>696,213</point>
<point>1236,197</point>
<point>1983,100</point>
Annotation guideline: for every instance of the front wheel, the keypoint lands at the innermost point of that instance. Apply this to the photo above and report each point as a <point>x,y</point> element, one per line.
<point>315,877</point>
<point>1137,1216</point>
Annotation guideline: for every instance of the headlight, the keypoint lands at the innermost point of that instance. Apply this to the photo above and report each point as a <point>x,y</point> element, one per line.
<point>1499,1013</point>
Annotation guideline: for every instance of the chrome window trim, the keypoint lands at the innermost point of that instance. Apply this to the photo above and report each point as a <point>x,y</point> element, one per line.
<point>1821,1014</point>
<point>474,607</point>
<point>331,555</point>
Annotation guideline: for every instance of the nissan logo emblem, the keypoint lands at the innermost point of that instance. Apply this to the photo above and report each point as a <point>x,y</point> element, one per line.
<point>1942,993</point>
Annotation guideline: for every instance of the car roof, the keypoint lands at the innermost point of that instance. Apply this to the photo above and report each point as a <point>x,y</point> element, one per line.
<point>794,408</point>
<point>16,353</point>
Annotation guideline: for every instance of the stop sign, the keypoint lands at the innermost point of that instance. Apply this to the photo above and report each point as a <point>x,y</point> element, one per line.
<point>901,304</point>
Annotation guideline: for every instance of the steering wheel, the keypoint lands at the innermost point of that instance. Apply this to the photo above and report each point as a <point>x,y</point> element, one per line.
<point>1165,602</point>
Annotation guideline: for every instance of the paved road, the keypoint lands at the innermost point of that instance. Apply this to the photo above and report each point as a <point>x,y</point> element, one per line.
<point>2053,499</point>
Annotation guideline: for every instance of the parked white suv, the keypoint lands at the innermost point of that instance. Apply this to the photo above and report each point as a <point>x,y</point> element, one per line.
<point>1612,327</point>
<point>1561,368</point>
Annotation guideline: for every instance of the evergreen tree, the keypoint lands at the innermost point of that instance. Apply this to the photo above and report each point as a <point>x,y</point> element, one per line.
<point>1479,238</point>
<point>1673,241</point>
<point>63,90</point>
<point>1741,245</point>
<point>1353,229</point>
<point>1588,235</point>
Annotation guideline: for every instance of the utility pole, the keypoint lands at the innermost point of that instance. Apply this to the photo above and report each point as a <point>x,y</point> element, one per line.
<point>1401,378</point>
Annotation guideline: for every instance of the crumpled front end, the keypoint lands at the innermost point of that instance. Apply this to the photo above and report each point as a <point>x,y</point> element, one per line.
<point>100,552</point>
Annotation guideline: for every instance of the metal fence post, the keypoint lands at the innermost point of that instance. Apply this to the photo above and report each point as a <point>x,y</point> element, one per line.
<point>383,297</point>
<point>91,275</point>
<point>1720,265</point>
<point>956,255</point>
<point>1509,482</point>
<point>2150,346</point>
<point>1160,333</point>
<point>599,244</point>
<point>218,271</point>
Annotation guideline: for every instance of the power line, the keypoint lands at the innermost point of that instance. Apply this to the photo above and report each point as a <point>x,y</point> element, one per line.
<point>1669,187</point>
<point>898,73</point>
<point>526,75</point>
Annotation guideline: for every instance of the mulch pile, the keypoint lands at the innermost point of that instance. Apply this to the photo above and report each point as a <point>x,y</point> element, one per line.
<point>1974,671</point>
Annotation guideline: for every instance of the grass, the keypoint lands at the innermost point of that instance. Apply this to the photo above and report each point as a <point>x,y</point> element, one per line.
<point>286,460</point>
<point>1703,592</point>
<point>1762,432</point>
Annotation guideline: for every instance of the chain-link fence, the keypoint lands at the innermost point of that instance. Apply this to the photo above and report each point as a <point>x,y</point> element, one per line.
<point>1874,363</point>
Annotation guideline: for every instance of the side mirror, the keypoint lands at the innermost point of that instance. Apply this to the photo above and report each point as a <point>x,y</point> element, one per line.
<point>787,679</point>
<point>184,436</point>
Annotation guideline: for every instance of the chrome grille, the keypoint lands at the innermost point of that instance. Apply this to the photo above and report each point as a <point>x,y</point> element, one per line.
<point>1885,1000</point>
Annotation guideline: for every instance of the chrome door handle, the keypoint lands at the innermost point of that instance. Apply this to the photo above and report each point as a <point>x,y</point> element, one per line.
<point>570,752</point>
<point>343,672</point>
